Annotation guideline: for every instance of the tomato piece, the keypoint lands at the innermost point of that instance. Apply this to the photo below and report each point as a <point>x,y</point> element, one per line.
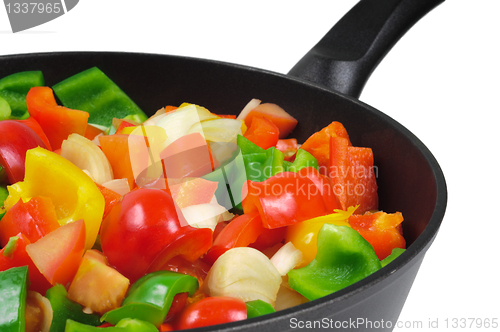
<point>212,311</point>
<point>318,144</point>
<point>197,269</point>
<point>58,122</point>
<point>280,199</point>
<point>97,285</point>
<point>382,230</point>
<point>58,254</point>
<point>142,233</point>
<point>240,232</point>
<point>19,257</point>
<point>353,175</point>
<point>116,149</point>
<point>16,139</point>
<point>33,124</point>
<point>35,219</point>
<point>284,121</point>
<point>262,132</point>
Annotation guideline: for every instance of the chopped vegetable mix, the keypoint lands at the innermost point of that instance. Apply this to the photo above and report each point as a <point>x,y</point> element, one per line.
<point>110,220</point>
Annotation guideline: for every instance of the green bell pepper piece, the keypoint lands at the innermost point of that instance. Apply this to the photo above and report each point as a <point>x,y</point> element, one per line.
<point>394,254</point>
<point>150,297</point>
<point>258,308</point>
<point>125,325</point>
<point>10,247</point>
<point>94,92</point>
<point>5,110</point>
<point>13,290</point>
<point>261,164</point>
<point>15,87</point>
<point>302,159</point>
<point>344,257</point>
<point>231,177</point>
<point>4,193</point>
<point>65,309</point>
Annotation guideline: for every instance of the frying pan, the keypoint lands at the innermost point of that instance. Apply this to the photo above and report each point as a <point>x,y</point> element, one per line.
<point>322,87</point>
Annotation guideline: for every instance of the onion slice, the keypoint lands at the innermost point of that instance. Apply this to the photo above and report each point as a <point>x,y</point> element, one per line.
<point>250,106</point>
<point>87,156</point>
<point>244,273</point>
<point>286,258</point>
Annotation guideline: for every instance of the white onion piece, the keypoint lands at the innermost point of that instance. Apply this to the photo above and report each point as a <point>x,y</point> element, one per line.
<point>244,273</point>
<point>286,258</point>
<point>288,298</point>
<point>203,215</point>
<point>177,124</point>
<point>86,155</point>
<point>250,106</point>
<point>218,130</point>
<point>119,186</point>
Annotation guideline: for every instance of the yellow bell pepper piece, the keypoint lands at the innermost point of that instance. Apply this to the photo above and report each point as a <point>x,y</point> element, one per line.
<point>304,235</point>
<point>74,194</point>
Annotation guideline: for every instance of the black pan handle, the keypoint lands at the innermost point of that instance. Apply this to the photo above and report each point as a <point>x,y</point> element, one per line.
<point>345,57</point>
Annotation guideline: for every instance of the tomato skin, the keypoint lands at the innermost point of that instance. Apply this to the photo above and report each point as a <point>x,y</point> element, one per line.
<point>16,139</point>
<point>212,311</point>
<point>142,233</point>
<point>35,219</point>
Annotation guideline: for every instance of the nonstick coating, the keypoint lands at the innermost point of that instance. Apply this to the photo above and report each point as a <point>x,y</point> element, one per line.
<point>409,178</point>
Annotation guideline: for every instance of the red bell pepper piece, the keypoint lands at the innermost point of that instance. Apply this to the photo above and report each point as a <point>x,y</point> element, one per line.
<point>35,219</point>
<point>353,175</point>
<point>19,257</point>
<point>269,237</point>
<point>318,144</point>
<point>277,115</point>
<point>240,232</point>
<point>110,198</point>
<point>58,122</point>
<point>33,124</point>
<point>281,199</point>
<point>382,230</point>
<point>325,187</point>
<point>262,132</point>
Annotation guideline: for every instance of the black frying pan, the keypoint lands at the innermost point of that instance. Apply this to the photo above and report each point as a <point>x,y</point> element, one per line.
<point>409,178</point>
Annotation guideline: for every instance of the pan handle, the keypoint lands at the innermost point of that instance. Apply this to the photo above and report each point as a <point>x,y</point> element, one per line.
<point>345,57</point>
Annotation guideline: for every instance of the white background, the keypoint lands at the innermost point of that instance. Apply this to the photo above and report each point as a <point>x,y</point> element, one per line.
<point>440,81</point>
